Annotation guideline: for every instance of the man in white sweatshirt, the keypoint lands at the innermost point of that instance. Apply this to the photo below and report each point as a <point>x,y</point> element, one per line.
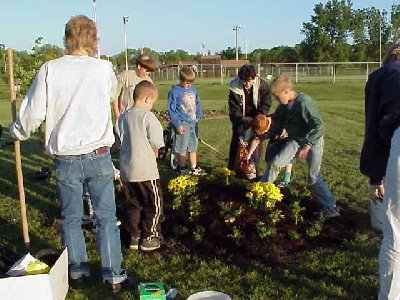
<point>73,93</point>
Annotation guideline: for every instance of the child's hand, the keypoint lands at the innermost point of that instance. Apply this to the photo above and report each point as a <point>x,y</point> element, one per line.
<point>247,158</point>
<point>304,151</point>
<point>180,130</point>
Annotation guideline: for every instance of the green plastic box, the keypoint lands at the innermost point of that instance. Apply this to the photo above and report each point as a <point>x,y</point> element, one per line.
<point>152,291</point>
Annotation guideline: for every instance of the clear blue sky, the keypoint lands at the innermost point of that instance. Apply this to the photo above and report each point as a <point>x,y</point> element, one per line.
<point>165,25</point>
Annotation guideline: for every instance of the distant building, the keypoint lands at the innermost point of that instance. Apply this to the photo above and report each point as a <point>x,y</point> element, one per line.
<point>216,60</point>
<point>234,63</point>
<point>208,66</point>
<point>213,65</point>
<point>210,60</point>
<point>180,63</point>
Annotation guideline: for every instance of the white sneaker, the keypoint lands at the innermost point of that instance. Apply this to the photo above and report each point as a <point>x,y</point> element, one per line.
<point>197,171</point>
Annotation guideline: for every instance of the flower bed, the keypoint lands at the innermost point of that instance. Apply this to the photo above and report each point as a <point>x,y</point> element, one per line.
<point>221,215</point>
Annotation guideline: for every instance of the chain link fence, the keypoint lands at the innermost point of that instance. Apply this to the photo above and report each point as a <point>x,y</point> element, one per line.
<point>300,72</point>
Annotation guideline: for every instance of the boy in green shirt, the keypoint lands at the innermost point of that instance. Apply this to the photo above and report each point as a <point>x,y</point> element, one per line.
<point>299,116</point>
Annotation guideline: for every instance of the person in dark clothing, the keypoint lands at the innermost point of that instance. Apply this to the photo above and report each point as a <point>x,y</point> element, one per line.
<point>249,95</point>
<point>379,160</point>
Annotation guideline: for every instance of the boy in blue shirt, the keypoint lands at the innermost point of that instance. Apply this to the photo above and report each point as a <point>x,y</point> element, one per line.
<point>183,106</point>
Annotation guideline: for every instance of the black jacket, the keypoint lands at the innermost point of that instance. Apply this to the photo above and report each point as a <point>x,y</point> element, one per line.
<point>382,117</point>
<point>261,98</point>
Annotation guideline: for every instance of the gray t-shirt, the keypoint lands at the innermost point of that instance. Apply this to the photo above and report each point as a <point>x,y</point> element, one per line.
<point>140,132</point>
<point>127,81</point>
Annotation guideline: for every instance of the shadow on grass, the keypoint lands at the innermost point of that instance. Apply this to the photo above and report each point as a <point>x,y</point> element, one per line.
<point>336,265</point>
<point>39,194</point>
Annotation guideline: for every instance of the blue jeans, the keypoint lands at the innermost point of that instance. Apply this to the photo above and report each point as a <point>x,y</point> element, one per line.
<point>317,186</point>
<point>97,173</point>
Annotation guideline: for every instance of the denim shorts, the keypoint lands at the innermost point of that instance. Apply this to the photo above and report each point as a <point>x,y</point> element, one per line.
<point>187,142</point>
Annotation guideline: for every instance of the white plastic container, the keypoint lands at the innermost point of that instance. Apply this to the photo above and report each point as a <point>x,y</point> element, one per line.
<point>209,295</point>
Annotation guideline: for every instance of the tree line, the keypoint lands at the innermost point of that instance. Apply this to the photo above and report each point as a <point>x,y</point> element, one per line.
<point>336,32</point>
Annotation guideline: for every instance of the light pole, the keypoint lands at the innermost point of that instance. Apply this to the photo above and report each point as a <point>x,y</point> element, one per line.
<point>95,20</point>
<point>236,28</point>
<point>380,40</point>
<point>125,19</point>
<point>246,45</point>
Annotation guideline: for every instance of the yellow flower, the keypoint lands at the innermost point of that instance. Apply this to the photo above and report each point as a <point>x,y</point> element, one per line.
<point>264,194</point>
<point>249,195</point>
<point>182,185</point>
<point>221,173</point>
<point>230,219</point>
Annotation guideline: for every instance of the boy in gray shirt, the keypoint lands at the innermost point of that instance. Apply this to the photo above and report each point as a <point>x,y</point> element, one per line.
<point>141,136</point>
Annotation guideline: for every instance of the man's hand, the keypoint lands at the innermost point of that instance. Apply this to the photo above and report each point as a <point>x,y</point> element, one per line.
<point>375,192</point>
<point>180,130</point>
<point>304,151</point>
<point>283,135</point>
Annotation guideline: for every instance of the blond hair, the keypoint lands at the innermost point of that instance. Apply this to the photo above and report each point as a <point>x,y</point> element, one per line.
<point>392,54</point>
<point>187,74</point>
<point>145,89</point>
<point>281,83</point>
<point>80,33</point>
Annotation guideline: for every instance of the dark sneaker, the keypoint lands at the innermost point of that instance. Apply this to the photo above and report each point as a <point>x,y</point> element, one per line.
<point>134,243</point>
<point>44,173</point>
<point>330,212</point>
<point>79,283</point>
<point>150,244</point>
<point>182,171</point>
<point>128,283</point>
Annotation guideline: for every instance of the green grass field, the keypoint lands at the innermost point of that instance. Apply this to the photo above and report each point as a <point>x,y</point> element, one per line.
<point>348,271</point>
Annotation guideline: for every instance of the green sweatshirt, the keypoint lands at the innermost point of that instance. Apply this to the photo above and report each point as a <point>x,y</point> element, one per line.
<point>302,123</point>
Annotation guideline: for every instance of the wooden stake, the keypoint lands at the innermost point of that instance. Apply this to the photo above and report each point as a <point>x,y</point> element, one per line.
<point>17,147</point>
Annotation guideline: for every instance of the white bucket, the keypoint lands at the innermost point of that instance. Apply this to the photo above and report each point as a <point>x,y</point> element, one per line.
<point>377,213</point>
<point>209,295</point>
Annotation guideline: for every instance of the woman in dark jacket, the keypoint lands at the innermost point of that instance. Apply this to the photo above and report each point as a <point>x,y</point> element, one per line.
<point>380,158</point>
<point>249,95</point>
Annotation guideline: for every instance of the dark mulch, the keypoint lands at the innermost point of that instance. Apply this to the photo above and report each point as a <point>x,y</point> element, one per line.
<point>179,238</point>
